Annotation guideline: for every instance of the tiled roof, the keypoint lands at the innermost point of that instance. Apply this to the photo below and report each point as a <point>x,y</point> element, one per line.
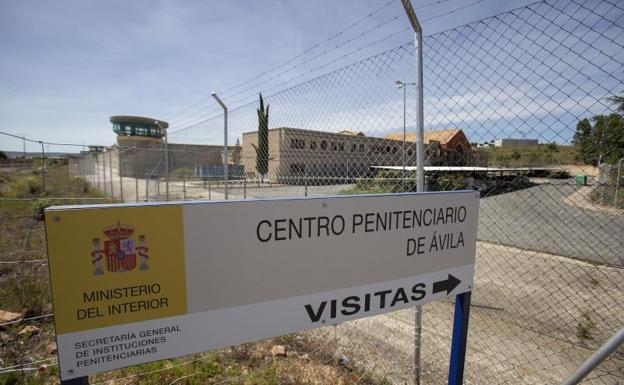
<point>442,136</point>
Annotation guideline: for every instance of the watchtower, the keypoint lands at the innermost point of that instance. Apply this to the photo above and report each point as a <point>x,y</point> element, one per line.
<point>141,145</point>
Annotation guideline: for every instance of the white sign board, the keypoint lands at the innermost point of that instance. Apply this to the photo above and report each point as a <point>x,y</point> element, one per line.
<point>138,283</point>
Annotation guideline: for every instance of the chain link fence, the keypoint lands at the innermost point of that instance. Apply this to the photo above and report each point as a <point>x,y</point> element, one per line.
<point>516,106</point>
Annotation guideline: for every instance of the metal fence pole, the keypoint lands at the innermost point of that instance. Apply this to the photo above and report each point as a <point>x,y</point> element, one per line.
<point>209,190</point>
<point>166,166</point>
<point>605,350</point>
<point>136,173</point>
<point>110,173</point>
<point>43,170</point>
<point>120,175</point>
<point>420,158</point>
<point>97,172</point>
<point>104,184</point>
<point>184,186</point>
<point>245,187</point>
<point>225,144</point>
<point>617,182</point>
<point>146,188</point>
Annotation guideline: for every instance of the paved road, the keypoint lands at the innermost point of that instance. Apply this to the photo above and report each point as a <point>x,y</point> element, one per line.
<point>540,218</point>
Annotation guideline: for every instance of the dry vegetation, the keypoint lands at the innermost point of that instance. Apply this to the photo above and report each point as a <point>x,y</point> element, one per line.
<point>24,290</point>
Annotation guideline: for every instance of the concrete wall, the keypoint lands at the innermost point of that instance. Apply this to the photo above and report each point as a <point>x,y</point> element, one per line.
<point>149,156</point>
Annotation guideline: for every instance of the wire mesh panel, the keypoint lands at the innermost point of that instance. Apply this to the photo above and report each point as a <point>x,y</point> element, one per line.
<point>522,106</point>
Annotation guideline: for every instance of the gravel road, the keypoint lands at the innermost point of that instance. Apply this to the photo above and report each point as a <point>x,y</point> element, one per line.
<point>523,326</point>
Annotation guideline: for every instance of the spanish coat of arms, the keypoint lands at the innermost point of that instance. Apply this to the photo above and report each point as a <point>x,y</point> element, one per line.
<point>120,251</point>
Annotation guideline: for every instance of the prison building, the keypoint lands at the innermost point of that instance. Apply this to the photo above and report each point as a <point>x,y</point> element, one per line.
<point>297,154</point>
<point>455,149</point>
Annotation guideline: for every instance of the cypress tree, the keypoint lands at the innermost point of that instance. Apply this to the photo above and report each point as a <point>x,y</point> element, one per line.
<point>262,149</point>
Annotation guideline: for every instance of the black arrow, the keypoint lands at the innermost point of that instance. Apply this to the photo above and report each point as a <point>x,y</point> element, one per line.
<point>447,285</point>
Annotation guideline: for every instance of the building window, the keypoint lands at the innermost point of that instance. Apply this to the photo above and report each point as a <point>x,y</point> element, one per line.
<point>297,169</point>
<point>297,143</point>
<point>340,146</point>
<point>353,147</point>
<point>362,147</point>
<point>323,145</point>
<point>313,145</point>
<point>334,146</point>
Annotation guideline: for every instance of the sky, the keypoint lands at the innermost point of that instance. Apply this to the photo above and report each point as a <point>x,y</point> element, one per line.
<point>67,66</point>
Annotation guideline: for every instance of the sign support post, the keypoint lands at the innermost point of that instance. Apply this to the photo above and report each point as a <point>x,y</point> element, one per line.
<point>460,335</point>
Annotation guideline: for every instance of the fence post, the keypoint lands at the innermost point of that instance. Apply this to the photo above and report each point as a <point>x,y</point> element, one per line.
<point>184,186</point>
<point>136,173</point>
<point>420,157</point>
<point>617,182</point>
<point>110,173</point>
<point>104,184</point>
<point>600,355</point>
<point>209,191</point>
<point>97,172</point>
<point>166,167</point>
<point>245,187</point>
<point>225,144</point>
<point>146,188</point>
<point>120,174</point>
<point>43,162</point>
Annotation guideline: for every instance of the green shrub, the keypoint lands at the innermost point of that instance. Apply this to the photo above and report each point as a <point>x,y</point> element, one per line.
<point>39,206</point>
<point>25,187</point>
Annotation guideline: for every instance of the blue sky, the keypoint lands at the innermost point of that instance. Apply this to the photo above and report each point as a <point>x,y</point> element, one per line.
<point>68,65</point>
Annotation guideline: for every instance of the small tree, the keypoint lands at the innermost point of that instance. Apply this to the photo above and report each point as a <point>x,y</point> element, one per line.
<point>262,149</point>
<point>3,156</point>
<point>602,141</point>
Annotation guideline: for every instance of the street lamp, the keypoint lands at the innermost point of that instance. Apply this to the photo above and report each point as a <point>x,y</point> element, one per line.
<point>162,127</point>
<point>401,85</point>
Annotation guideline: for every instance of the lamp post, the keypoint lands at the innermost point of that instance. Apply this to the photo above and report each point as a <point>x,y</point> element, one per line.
<point>401,85</point>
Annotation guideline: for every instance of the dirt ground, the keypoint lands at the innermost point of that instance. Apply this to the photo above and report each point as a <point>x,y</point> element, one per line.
<point>524,325</point>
